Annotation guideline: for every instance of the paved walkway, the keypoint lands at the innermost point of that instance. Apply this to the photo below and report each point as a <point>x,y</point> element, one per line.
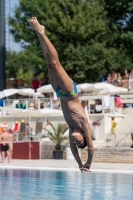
<point>65,164</point>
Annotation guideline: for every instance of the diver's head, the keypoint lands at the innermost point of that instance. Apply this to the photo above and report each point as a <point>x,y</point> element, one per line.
<point>79,138</point>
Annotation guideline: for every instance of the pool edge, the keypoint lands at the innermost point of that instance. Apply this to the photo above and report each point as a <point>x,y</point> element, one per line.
<point>65,169</point>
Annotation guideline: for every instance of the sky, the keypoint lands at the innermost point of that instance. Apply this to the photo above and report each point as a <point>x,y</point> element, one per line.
<point>10,43</point>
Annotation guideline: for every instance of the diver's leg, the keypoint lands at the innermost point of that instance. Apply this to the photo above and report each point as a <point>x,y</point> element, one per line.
<point>63,79</point>
<point>52,76</point>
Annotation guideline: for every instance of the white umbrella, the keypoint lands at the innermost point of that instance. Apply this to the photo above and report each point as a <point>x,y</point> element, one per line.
<point>39,94</point>
<point>101,86</point>
<point>26,92</point>
<point>51,111</point>
<point>19,113</point>
<point>8,92</point>
<point>36,113</point>
<point>85,87</point>
<point>46,89</point>
<point>8,108</point>
<point>114,90</point>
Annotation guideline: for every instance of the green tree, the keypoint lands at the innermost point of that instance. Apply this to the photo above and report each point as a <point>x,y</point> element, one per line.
<point>120,23</point>
<point>21,65</point>
<point>80,31</point>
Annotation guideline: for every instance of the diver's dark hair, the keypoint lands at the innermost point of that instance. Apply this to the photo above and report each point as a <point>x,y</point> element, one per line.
<point>83,145</point>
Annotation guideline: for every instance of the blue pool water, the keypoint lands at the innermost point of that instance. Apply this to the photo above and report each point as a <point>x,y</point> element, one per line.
<point>60,185</point>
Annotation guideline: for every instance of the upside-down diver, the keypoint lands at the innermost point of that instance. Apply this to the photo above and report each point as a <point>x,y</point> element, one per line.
<point>64,86</point>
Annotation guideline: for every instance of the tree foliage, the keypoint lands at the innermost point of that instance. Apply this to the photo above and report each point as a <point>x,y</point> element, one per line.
<point>22,66</point>
<point>92,37</point>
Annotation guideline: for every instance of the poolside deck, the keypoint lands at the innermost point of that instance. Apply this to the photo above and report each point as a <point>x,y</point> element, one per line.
<point>66,164</point>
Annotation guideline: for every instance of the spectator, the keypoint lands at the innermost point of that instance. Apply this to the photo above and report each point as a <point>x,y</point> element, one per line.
<point>1,102</point>
<point>41,105</point>
<point>11,142</point>
<point>4,138</point>
<point>125,79</point>
<point>103,79</point>
<point>21,105</point>
<point>113,127</point>
<point>119,78</point>
<point>28,131</point>
<point>130,79</point>
<point>44,80</point>
<point>35,83</point>
<point>55,104</point>
<point>35,100</point>
<point>113,77</point>
<point>83,104</point>
<point>98,106</point>
<point>108,78</point>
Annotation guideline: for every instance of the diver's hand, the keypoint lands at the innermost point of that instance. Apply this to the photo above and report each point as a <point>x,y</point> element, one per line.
<point>80,167</point>
<point>86,167</point>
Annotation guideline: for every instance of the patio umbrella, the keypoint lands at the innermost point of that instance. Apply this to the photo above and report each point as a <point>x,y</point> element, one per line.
<point>85,87</point>
<point>36,113</point>
<point>51,111</point>
<point>26,92</point>
<point>39,94</point>
<point>46,89</point>
<point>8,92</point>
<point>114,90</point>
<point>102,86</point>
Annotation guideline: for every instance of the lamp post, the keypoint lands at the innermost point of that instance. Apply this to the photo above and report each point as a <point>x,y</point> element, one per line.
<point>2,46</point>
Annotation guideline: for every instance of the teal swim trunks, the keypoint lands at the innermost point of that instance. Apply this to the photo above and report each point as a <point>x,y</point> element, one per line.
<point>61,93</point>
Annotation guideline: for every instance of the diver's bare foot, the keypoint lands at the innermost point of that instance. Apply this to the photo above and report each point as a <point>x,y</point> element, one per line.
<point>36,26</point>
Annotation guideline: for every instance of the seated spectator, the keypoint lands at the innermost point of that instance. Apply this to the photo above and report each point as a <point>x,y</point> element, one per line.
<point>103,79</point>
<point>35,83</point>
<point>41,105</point>
<point>83,104</point>
<point>24,105</point>
<point>44,80</point>
<point>55,104</point>
<point>1,102</point>
<point>21,105</point>
<point>92,106</point>
<point>98,106</point>
<point>114,77</point>
<point>119,78</point>
<point>108,78</point>
<point>130,79</point>
<point>125,79</point>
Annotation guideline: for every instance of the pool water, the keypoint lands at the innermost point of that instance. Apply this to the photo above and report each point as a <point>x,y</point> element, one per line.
<point>64,185</point>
